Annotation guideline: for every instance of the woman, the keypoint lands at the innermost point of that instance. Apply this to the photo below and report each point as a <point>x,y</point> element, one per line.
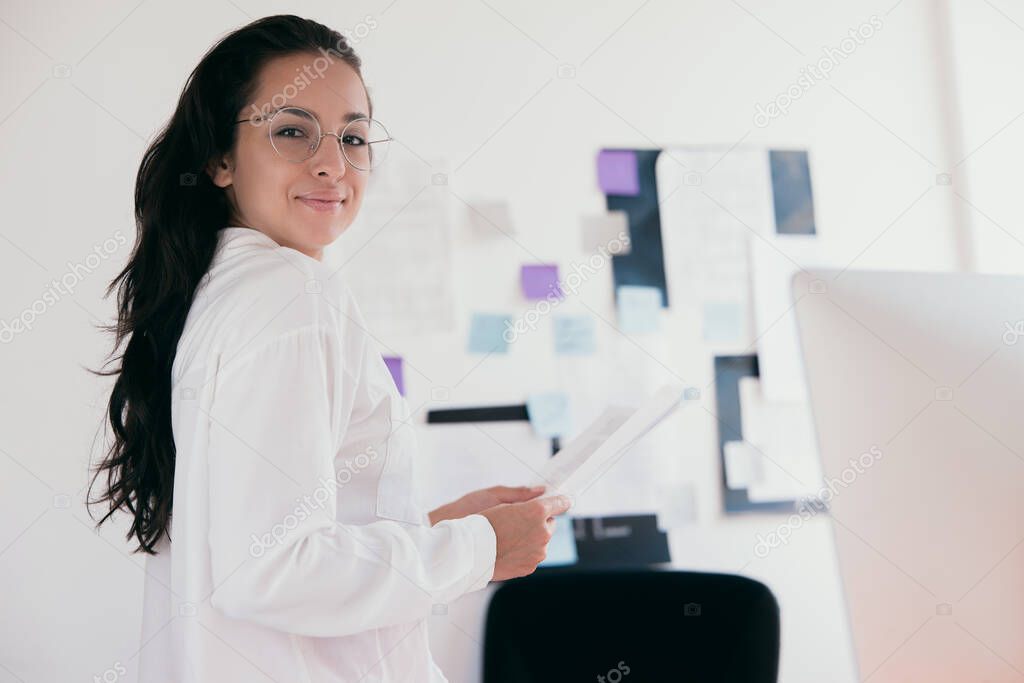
<point>251,400</point>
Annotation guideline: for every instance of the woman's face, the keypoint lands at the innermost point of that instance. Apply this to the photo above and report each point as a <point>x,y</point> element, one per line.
<point>271,194</point>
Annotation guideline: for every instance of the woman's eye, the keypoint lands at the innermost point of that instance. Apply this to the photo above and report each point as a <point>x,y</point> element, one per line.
<point>354,140</point>
<point>291,133</point>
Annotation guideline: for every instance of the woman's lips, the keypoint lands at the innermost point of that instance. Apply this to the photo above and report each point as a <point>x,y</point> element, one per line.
<point>323,205</point>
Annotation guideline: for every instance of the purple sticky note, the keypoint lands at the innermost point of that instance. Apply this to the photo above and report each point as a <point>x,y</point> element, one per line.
<point>616,172</point>
<point>394,364</point>
<point>540,281</point>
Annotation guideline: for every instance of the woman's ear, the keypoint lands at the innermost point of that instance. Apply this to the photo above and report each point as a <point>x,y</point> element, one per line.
<point>220,172</point>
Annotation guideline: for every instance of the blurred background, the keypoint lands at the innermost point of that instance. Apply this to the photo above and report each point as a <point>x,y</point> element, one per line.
<point>734,143</point>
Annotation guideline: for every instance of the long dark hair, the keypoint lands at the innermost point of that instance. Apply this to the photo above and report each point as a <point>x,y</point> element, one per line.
<point>178,213</point>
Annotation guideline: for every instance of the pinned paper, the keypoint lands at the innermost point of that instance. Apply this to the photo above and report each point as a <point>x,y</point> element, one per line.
<point>574,334</point>
<point>639,309</point>
<point>791,192</point>
<point>490,218</point>
<point>540,281</point>
<point>617,172</point>
<point>394,364</point>
<point>680,508</point>
<point>549,413</point>
<point>487,333</point>
<point>723,321</point>
<point>606,232</point>
<point>561,548</point>
<point>743,467</point>
<point>644,265</point>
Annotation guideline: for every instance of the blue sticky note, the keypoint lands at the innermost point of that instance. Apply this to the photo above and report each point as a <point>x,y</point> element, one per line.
<point>561,548</point>
<point>549,413</point>
<point>639,309</point>
<point>574,334</point>
<point>723,321</point>
<point>791,192</point>
<point>487,333</point>
<point>540,281</point>
<point>617,172</point>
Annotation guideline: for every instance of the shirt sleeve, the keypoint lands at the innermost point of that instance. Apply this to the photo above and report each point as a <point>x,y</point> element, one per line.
<point>278,556</point>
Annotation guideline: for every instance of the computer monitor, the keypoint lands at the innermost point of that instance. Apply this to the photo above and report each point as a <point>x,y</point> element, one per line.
<point>916,384</point>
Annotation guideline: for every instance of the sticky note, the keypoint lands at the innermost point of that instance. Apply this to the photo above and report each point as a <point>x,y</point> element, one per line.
<point>679,507</point>
<point>574,334</point>
<point>561,548</point>
<point>791,192</point>
<point>540,281</point>
<point>490,218</point>
<point>487,333</point>
<point>606,232</point>
<point>723,321</point>
<point>743,467</point>
<point>617,172</point>
<point>549,413</point>
<point>639,309</point>
<point>394,364</point>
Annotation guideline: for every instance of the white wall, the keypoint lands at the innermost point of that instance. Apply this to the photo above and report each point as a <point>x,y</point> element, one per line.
<point>989,54</point>
<point>475,83</point>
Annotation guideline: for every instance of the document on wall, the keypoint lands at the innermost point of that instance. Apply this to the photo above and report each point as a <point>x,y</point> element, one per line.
<point>581,462</point>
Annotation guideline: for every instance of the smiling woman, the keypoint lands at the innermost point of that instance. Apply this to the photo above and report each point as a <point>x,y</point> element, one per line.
<point>307,203</point>
<point>252,403</point>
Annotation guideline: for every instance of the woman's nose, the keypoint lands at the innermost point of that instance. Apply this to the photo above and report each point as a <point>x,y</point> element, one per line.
<point>329,157</point>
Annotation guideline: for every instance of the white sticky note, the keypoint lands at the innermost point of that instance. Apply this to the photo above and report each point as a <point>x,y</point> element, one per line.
<point>607,232</point>
<point>490,218</point>
<point>743,467</point>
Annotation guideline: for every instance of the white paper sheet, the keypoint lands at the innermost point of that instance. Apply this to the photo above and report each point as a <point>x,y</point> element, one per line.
<point>590,455</point>
<point>396,256</point>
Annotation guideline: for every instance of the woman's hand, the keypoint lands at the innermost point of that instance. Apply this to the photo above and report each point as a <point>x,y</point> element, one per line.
<point>522,531</point>
<point>478,501</point>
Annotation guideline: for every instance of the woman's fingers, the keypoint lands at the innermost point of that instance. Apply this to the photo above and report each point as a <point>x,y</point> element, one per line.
<point>516,494</point>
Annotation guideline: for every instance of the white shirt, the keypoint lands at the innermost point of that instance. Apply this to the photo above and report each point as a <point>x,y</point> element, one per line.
<point>297,551</point>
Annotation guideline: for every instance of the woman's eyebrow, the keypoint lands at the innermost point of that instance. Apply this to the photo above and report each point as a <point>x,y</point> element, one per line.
<point>351,116</point>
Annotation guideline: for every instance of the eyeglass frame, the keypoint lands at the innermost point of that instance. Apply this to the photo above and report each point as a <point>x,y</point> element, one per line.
<point>264,118</point>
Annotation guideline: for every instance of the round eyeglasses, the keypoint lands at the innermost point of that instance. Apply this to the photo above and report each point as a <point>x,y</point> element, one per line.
<point>295,135</point>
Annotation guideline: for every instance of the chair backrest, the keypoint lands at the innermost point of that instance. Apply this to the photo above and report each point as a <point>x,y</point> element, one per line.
<point>645,626</point>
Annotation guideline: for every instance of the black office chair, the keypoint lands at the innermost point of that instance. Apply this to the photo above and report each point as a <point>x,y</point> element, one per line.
<point>637,625</point>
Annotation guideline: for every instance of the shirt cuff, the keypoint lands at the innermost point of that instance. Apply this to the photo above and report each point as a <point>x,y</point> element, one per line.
<point>485,545</point>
